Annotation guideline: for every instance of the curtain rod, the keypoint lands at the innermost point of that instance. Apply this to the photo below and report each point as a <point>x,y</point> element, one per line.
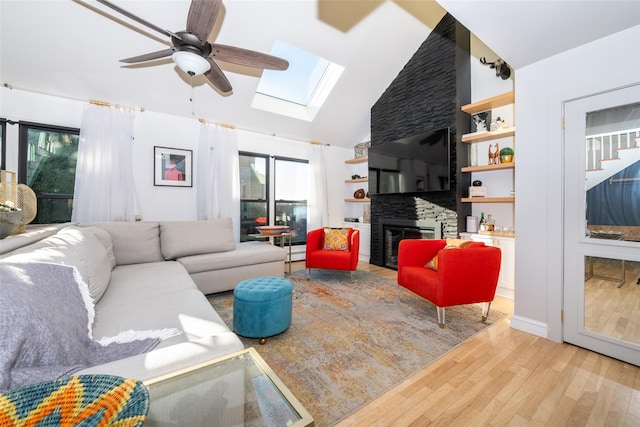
<point>90,101</point>
<point>228,126</point>
<point>107,104</point>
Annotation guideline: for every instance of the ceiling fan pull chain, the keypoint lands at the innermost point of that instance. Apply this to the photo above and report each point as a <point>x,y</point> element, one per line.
<point>193,112</point>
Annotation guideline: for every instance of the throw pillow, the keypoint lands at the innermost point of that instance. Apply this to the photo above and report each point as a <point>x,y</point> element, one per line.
<point>336,239</point>
<point>459,243</point>
<point>451,244</point>
<point>184,238</point>
<point>133,242</point>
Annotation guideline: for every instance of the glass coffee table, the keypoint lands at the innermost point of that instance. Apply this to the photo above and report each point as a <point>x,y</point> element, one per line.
<point>236,390</point>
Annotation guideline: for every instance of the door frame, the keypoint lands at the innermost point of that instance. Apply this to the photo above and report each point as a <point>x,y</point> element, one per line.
<point>574,247</point>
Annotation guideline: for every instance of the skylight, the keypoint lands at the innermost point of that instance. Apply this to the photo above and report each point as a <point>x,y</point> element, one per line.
<point>300,91</point>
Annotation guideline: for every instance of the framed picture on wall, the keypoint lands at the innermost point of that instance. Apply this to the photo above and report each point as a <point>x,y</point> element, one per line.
<point>172,167</point>
<point>480,121</point>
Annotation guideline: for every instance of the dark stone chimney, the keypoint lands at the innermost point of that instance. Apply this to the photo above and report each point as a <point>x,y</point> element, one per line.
<point>427,95</point>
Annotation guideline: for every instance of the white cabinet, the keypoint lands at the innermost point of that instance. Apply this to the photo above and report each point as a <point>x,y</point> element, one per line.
<point>365,239</point>
<point>507,245</point>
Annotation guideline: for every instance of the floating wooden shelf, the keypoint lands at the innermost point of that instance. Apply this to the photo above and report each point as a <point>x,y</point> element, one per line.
<point>357,160</point>
<point>489,167</point>
<point>470,138</point>
<point>365,200</point>
<point>353,181</point>
<point>488,199</point>
<point>489,103</point>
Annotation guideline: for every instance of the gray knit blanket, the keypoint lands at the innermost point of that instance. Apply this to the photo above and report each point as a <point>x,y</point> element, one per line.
<point>46,317</point>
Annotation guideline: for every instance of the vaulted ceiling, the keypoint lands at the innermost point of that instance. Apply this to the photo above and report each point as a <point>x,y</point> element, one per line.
<point>71,48</point>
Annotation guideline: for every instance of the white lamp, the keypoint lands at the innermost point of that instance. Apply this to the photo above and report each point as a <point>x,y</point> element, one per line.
<point>191,63</point>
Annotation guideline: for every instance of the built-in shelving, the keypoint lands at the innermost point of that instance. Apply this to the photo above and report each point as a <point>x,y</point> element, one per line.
<point>490,103</point>
<point>354,181</point>
<point>488,199</point>
<point>489,167</point>
<point>357,160</point>
<point>471,138</point>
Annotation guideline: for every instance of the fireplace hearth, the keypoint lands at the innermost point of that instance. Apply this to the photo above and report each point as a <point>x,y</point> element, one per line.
<point>395,230</point>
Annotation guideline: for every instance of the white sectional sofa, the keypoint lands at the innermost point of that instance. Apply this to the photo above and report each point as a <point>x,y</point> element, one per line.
<point>146,276</point>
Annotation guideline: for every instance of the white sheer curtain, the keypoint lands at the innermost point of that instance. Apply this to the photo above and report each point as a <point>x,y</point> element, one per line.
<point>317,205</point>
<point>218,175</point>
<point>104,188</point>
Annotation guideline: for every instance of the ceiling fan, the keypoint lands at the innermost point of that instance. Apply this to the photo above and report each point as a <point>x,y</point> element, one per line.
<point>191,51</point>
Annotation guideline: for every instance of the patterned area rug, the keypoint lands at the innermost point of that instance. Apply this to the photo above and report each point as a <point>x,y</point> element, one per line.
<point>349,342</point>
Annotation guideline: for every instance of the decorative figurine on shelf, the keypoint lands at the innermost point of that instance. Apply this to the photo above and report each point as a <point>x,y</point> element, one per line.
<point>359,194</point>
<point>506,155</point>
<point>493,156</point>
<point>496,124</point>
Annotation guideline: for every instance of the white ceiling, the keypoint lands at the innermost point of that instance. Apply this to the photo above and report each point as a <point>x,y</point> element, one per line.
<point>71,48</point>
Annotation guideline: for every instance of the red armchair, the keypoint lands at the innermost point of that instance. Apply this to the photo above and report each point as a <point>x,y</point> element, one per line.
<point>318,257</point>
<point>464,276</point>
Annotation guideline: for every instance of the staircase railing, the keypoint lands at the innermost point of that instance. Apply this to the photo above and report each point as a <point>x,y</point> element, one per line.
<point>605,146</point>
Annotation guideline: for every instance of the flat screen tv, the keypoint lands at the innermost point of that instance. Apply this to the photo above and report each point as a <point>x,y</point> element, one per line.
<point>415,164</point>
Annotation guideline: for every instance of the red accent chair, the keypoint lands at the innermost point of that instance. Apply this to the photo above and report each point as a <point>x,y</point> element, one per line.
<point>318,257</point>
<point>464,276</point>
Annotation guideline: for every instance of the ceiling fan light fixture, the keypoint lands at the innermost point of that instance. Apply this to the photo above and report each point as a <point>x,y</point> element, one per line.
<point>191,63</point>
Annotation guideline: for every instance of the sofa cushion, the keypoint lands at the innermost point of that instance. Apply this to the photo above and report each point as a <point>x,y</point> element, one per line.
<point>184,238</point>
<point>156,295</point>
<point>133,242</point>
<point>73,246</point>
<point>336,239</point>
<point>105,238</point>
<point>246,253</point>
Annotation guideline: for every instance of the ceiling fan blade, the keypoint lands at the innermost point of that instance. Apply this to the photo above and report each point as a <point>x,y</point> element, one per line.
<point>249,58</point>
<point>202,17</point>
<point>149,56</point>
<point>138,19</point>
<point>217,77</point>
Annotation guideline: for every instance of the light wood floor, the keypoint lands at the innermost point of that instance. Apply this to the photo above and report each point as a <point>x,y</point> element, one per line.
<point>505,377</point>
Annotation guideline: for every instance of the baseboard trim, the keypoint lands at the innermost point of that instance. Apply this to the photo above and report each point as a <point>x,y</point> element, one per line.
<point>529,325</point>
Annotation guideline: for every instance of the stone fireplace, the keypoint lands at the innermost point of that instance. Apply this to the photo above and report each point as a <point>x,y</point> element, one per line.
<point>395,230</point>
<point>427,94</point>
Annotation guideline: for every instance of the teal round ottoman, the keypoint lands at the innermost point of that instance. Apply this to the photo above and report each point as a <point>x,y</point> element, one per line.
<point>262,307</point>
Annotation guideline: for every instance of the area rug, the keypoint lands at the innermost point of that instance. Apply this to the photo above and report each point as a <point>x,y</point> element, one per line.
<point>351,341</point>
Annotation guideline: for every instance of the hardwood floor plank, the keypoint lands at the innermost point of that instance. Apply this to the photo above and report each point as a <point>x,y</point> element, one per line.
<point>505,377</point>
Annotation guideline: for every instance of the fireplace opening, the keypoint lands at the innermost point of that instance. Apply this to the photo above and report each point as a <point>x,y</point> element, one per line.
<point>393,233</point>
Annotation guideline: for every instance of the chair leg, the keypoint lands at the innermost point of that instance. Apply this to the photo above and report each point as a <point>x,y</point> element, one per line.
<point>485,310</point>
<point>308,273</point>
<point>440,311</point>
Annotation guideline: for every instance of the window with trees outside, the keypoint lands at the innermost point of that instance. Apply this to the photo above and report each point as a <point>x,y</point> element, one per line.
<point>47,163</point>
<point>273,191</point>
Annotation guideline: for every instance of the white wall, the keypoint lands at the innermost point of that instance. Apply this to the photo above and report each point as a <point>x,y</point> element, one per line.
<point>541,88</point>
<point>156,129</point>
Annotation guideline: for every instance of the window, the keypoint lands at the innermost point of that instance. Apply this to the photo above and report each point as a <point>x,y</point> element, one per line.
<point>291,189</point>
<point>254,173</point>
<point>284,194</point>
<point>47,163</point>
<point>301,90</point>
